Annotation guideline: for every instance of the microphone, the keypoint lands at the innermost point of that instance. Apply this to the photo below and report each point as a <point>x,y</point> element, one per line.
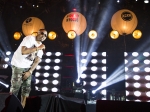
<point>43,51</point>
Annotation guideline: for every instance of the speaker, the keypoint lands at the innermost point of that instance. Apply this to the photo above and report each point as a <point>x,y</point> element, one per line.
<point>122,106</point>
<point>3,97</point>
<point>10,103</point>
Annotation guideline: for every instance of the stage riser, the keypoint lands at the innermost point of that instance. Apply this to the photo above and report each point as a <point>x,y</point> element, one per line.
<point>2,100</point>
<point>9,103</point>
<point>42,103</point>
<point>122,106</point>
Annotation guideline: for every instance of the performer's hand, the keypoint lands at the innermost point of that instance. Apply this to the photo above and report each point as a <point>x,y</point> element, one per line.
<point>25,75</point>
<point>42,46</point>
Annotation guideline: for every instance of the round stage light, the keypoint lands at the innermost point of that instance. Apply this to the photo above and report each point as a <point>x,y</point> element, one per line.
<point>114,34</point>
<point>137,34</point>
<point>52,35</point>
<point>71,34</point>
<point>17,35</point>
<point>92,34</point>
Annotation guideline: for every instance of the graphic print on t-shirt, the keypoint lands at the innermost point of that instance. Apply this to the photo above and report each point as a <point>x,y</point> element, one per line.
<point>32,55</point>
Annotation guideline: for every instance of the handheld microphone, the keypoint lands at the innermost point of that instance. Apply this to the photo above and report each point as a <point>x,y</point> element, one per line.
<point>43,51</point>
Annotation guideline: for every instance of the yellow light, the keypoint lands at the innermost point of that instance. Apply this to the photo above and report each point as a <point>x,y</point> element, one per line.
<point>34,34</point>
<point>137,34</point>
<point>17,35</point>
<point>71,34</point>
<point>114,34</point>
<point>52,35</point>
<point>92,34</point>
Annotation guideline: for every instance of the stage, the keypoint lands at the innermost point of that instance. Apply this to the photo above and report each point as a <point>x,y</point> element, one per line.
<point>42,103</point>
<point>61,103</point>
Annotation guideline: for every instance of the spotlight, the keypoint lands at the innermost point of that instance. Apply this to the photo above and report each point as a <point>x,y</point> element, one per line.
<point>83,76</point>
<point>47,67</point>
<point>55,75</point>
<point>78,89</point>
<point>118,1</point>
<point>46,74</point>
<point>44,89</point>
<point>3,83</point>
<point>93,95</point>
<point>58,54</point>
<point>8,53</point>
<point>54,89</point>
<point>38,67</point>
<point>84,54</point>
<point>78,83</point>
<point>55,82</point>
<point>48,54</point>
<point>57,60</point>
<point>22,4</point>
<point>56,67</point>
<point>5,66</point>
<point>78,86</point>
<point>37,74</point>
<point>45,81</point>
<point>146,1</point>
<point>74,9</point>
<point>6,59</point>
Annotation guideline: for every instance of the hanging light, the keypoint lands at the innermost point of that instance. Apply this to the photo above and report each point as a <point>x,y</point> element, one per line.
<point>52,35</point>
<point>92,34</point>
<point>137,34</point>
<point>114,34</point>
<point>17,35</point>
<point>71,34</point>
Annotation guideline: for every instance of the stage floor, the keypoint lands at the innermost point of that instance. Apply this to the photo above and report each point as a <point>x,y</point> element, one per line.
<point>60,103</point>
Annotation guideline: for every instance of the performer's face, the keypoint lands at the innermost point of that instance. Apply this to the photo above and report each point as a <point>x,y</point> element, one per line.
<point>41,36</point>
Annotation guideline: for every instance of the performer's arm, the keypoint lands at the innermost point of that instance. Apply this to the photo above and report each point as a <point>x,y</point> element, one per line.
<point>26,50</point>
<point>34,65</point>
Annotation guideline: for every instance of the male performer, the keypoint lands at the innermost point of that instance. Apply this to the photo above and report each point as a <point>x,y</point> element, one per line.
<point>24,61</point>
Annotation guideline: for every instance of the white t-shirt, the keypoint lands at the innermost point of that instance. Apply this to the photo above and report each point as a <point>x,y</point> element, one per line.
<point>25,61</point>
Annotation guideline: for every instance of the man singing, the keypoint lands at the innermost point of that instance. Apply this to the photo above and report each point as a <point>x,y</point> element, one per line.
<point>24,61</point>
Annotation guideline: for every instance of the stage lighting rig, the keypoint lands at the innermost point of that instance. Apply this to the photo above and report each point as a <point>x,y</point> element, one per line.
<point>78,89</point>
<point>78,86</point>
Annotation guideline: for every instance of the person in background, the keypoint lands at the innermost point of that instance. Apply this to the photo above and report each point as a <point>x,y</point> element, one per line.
<point>24,61</point>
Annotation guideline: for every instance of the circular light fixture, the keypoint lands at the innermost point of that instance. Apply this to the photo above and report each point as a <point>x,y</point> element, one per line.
<point>92,34</point>
<point>137,34</point>
<point>71,34</point>
<point>52,35</point>
<point>114,34</point>
<point>34,34</point>
<point>17,35</point>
